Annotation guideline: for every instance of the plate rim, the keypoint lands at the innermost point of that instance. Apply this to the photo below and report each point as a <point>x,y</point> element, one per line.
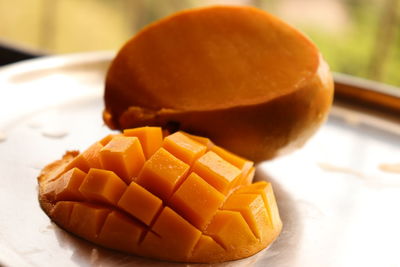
<point>54,61</point>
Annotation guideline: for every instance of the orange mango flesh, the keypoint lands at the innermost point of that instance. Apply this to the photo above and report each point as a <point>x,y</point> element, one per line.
<point>216,171</point>
<point>162,173</point>
<point>230,229</point>
<point>91,155</point>
<point>196,200</point>
<point>124,156</point>
<point>150,137</point>
<point>251,207</point>
<point>140,203</point>
<point>184,147</point>
<point>120,232</point>
<point>102,186</point>
<point>239,69</point>
<point>189,201</point>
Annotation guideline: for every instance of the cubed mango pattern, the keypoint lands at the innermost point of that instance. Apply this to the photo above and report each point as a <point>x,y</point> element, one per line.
<point>177,198</point>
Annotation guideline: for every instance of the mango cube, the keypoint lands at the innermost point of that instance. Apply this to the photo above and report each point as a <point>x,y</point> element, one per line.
<point>61,212</point>
<point>150,137</point>
<point>120,232</point>
<point>92,155</point>
<point>251,206</point>
<point>216,171</point>
<point>183,147</point>
<point>87,219</point>
<point>162,173</point>
<point>230,229</point>
<point>140,203</point>
<point>264,189</point>
<point>124,156</point>
<point>196,200</point>
<point>177,236</point>
<point>66,187</point>
<point>103,186</point>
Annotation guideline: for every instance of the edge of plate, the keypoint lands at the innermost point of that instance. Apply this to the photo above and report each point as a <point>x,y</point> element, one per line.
<point>49,62</point>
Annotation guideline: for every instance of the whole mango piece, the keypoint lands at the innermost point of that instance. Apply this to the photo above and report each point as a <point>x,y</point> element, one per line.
<point>238,75</point>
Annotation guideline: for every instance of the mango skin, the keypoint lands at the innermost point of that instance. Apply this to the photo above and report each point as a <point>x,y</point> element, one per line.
<point>278,123</point>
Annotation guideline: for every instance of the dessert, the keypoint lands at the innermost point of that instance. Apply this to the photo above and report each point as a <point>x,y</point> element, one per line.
<point>177,198</point>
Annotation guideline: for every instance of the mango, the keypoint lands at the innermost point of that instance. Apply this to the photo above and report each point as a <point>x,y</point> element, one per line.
<point>223,72</point>
<point>184,199</point>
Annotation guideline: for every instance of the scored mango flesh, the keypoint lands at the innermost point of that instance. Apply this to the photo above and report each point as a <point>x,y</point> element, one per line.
<point>178,198</point>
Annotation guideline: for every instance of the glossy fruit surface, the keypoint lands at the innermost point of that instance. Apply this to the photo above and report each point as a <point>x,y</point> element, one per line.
<point>184,199</point>
<point>238,75</point>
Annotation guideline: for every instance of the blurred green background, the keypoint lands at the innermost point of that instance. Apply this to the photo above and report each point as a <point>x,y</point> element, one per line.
<point>357,37</point>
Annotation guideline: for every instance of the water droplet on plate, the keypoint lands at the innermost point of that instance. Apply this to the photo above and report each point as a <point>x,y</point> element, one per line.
<point>54,132</point>
<point>35,124</point>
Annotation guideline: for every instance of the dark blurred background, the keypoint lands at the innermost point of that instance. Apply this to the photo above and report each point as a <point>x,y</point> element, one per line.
<point>357,37</point>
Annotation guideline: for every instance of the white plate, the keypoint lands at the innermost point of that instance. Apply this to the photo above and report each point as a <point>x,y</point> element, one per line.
<point>339,202</point>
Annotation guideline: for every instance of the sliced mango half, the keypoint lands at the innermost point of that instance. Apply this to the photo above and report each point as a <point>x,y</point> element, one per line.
<point>176,198</point>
